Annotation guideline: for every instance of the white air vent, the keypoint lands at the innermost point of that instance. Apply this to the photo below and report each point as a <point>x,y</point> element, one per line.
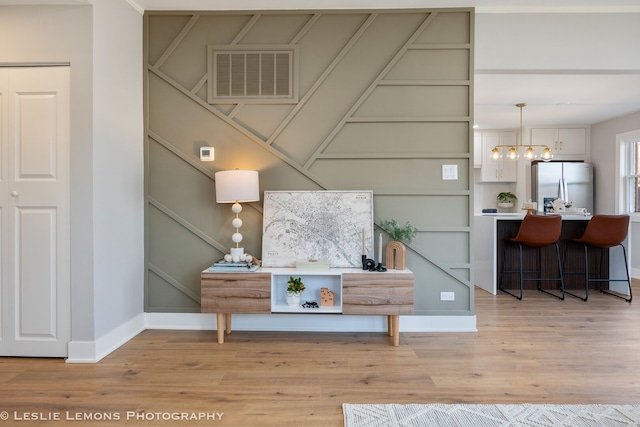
<point>252,74</point>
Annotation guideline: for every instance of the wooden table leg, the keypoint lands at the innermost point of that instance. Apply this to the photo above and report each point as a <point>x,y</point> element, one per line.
<point>220,324</point>
<point>390,325</point>
<point>227,321</point>
<point>396,330</point>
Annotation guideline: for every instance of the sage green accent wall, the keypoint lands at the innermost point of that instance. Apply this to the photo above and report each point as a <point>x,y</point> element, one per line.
<point>385,99</point>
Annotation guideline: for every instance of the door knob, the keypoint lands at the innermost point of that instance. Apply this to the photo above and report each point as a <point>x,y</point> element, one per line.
<point>14,193</point>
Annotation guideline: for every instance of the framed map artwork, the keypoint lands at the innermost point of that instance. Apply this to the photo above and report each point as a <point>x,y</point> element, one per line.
<point>334,226</point>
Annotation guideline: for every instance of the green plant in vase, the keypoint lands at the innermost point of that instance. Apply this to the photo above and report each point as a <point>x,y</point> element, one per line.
<point>396,251</point>
<point>506,199</point>
<point>400,233</point>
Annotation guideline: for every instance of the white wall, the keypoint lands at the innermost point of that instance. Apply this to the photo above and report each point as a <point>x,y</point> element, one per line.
<point>603,152</point>
<point>107,225</point>
<point>118,135</point>
<point>63,34</point>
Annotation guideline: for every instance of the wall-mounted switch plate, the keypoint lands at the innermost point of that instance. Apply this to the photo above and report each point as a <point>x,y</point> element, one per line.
<point>447,296</point>
<point>449,172</point>
<point>206,154</point>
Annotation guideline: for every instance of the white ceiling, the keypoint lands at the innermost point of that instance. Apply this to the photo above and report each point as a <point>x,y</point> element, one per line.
<point>553,99</point>
<point>579,98</point>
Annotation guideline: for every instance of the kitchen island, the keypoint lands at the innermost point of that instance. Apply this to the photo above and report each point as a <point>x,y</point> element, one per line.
<point>490,231</point>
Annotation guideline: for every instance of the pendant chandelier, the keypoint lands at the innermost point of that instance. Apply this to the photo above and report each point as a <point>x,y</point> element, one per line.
<point>530,151</point>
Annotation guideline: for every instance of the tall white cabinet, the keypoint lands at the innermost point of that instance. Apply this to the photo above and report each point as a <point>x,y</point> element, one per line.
<point>503,169</point>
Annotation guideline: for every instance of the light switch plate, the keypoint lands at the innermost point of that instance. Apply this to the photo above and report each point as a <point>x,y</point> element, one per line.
<point>449,172</point>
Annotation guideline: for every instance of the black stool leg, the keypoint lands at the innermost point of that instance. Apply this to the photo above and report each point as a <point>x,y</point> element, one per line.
<point>561,296</point>
<point>628,280</point>
<point>502,270</point>
<point>586,274</point>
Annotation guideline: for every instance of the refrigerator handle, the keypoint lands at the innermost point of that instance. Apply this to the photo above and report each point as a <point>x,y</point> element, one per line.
<point>560,189</point>
<point>564,192</point>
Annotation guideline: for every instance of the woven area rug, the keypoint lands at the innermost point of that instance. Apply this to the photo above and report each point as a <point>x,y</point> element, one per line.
<point>387,415</point>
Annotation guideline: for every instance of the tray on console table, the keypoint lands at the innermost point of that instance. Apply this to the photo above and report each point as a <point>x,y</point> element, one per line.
<point>364,293</point>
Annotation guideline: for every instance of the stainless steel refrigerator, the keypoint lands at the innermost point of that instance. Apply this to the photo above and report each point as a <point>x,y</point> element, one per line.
<point>570,181</point>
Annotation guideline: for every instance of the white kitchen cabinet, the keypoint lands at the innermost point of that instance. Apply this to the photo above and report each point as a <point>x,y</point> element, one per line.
<point>562,141</point>
<point>503,169</point>
<point>477,149</point>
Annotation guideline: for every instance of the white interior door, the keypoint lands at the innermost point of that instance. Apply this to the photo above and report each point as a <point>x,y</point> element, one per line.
<point>34,203</point>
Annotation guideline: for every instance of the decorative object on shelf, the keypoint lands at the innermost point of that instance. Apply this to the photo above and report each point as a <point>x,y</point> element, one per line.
<point>326,297</point>
<point>247,263</point>
<point>530,152</point>
<point>396,255</point>
<point>530,207</point>
<point>396,251</point>
<point>560,205</point>
<point>236,186</point>
<point>294,290</point>
<point>310,304</point>
<point>506,199</point>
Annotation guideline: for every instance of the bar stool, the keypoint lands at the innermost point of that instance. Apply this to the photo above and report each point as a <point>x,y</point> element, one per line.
<point>536,231</point>
<point>602,232</point>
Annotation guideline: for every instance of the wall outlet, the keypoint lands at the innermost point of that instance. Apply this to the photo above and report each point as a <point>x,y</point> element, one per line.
<point>447,296</point>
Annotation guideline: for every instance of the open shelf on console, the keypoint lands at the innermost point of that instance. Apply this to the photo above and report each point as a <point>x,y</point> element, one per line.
<point>313,282</point>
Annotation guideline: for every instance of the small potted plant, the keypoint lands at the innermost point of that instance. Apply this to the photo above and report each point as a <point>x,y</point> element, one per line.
<point>294,290</point>
<point>506,199</point>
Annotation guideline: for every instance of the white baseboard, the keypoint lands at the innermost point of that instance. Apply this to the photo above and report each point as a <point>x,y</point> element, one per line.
<point>635,273</point>
<point>94,351</point>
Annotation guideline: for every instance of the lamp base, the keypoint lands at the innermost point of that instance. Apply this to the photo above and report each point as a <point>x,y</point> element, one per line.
<point>236,252</point>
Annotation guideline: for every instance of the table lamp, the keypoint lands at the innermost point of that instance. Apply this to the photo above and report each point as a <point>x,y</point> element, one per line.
<point>236,186</point>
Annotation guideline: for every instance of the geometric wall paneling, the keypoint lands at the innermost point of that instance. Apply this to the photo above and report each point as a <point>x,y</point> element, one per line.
<point>449,28</point>
<point>161,32</point>
<point>431,64</point>
<point>427,298</point>
<point>425,138</point>
<point>402,101</point>
<point>443,211</point>
<point>441,245</point>
<point>384,100</point>
<point>164,296</point>
<point>175,256</point>
<point>411,173</point>
<point>260,121</point>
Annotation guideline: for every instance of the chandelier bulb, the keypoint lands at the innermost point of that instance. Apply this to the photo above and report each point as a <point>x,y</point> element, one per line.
<point>529,154</point>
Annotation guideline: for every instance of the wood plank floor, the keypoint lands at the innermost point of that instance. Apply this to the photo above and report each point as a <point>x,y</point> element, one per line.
<point>536,350</point>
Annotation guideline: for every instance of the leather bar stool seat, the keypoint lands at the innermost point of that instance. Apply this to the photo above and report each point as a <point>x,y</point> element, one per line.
<point>602,232</point>
<point>537,232</point>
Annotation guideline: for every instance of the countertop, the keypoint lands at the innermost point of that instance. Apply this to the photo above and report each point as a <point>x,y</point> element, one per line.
<point>519,216</point>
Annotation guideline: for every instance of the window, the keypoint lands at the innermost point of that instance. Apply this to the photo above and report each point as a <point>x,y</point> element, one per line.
<point>629,145</point>
<point>252,74</point>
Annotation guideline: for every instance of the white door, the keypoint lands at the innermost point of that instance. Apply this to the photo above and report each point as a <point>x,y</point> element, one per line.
<point>34,204</point>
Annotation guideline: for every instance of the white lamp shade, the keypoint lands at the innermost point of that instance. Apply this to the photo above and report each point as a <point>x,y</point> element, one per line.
<point>237,186</point>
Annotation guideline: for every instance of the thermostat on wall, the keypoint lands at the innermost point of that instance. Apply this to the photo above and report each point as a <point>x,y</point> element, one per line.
<point>206,154</point>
